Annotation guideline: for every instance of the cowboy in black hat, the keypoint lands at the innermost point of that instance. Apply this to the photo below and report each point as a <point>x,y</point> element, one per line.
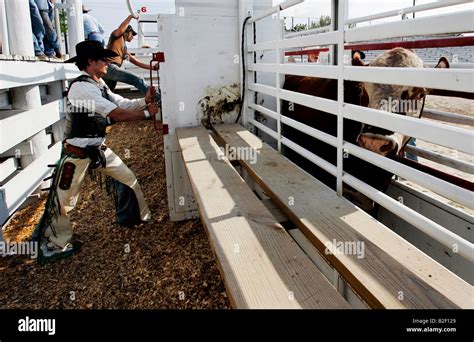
<point>117,43</point>
<point>92,106</point>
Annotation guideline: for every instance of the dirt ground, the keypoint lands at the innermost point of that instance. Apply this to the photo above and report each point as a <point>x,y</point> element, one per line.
<point>451,105</point>
<point>161,264</point>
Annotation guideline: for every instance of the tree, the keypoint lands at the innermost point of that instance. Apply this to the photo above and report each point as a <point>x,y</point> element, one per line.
<point>63,21</point>
<point>323,21</point>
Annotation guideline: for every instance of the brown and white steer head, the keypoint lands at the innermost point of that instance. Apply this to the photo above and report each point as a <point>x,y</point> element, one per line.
<point>396,99</point>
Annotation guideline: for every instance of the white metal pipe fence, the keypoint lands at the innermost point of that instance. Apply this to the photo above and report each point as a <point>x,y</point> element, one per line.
<point>449,79</point>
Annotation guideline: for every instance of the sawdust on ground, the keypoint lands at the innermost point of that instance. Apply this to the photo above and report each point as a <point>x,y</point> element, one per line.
<point>161,264</point>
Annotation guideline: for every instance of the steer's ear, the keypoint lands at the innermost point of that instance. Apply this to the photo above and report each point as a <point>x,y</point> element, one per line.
<point>442,63</point>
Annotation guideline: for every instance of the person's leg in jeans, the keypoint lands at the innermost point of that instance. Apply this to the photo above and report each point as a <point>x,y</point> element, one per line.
<point>129,190</point>
<point>51,42</point>
<point>38,28</point>
<point>54,231</point>
<point>411,142</point>
<point>127,211</point>
<point>117,74</point>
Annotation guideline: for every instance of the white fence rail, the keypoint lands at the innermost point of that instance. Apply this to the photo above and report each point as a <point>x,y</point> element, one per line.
<point>18,126</point>
<point>449,79</point>
<point>31,120</point>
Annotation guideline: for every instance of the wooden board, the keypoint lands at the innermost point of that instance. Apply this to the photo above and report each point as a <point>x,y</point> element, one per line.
<point>391,274</point>
<point>260,263</point>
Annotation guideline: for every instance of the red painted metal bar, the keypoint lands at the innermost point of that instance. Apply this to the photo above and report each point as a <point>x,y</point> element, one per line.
<point>463,183</point>
<point>305,52</point>
<point>158,57</point>
<point>415,44</point>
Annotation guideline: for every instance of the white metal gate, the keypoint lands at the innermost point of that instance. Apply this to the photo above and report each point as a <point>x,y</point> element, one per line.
<point>450,79</point>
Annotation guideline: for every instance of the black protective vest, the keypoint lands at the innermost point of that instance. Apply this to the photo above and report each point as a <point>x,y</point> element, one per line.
<point>82,123</point>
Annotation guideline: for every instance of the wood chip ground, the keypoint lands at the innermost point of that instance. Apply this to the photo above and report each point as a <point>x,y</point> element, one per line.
<point>161,264</point>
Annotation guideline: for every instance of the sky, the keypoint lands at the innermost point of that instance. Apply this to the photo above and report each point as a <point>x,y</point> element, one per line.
<point>110,13</point>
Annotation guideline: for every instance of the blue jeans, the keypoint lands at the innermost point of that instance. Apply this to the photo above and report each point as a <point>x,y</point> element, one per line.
<point>37,27</point>
<point>408,155</point>
<point>127,210</point>
<point>115,74</point>
<point>51,41</point>
<point>97,37</point>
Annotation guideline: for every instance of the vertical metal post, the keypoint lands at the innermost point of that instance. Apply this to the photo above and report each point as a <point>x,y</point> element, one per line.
<point>75,23</point>
<point>278,61</point>
<point>141,36</point>
<point>56,91</point>
<point>57,24</point>
<point>332,49</point>
<point>3,29</point>
<point>247,8</point>
<point>21,44</point>
<point>341,11</point>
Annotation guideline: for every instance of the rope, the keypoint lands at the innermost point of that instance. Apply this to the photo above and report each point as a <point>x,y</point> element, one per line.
<point>130,8</point>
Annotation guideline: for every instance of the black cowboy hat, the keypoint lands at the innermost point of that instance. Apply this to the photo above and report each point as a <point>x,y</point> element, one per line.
<point>91,49</point>
<point>130,29</point>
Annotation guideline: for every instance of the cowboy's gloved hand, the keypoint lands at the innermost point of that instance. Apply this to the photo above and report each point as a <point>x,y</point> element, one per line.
<point>156,66</point>
<point>153,108</point>
<point>150,95</point>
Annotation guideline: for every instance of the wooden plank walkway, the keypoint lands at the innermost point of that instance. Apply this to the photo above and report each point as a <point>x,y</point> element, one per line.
<point>262,266</point>
<point>391,274</point>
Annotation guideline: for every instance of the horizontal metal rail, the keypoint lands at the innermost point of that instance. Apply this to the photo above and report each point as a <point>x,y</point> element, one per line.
<point>449,79</point>
<point>436,231</point>
<point>263,89</point>
<point>457,164</point>
<point>407,10</point>
<point>307,32</point>
<point>327,38</point>
<point>265,111</point>
<point>438,115</point>
<point>441,187</point>
<point>453,137</point>
<point>328,167</point>
<point>458,22</point>
<point>264,128</point>
<point>297,69</point>
<point>315,133</point>
<point>458,80</point>
<point>275,9</point>
<point>319,103</point>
